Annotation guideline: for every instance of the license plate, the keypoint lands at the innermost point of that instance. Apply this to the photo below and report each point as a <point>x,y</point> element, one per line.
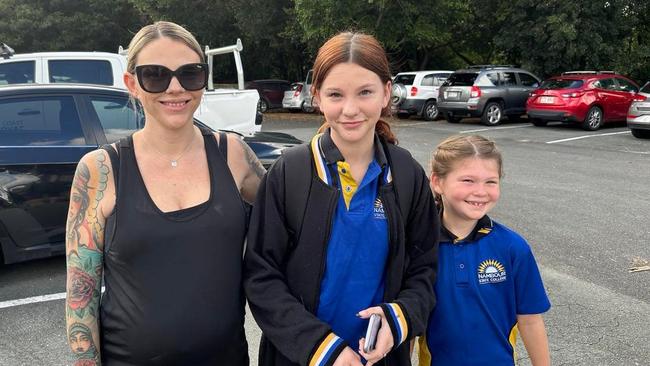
<point>453,94</point>
<point>545,100</point>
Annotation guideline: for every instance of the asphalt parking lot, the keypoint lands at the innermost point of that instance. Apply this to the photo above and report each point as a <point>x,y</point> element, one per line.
<point>582,199</point>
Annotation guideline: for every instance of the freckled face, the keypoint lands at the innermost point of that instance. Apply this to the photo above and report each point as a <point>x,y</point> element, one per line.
<point>174,107</point>
<point>469,191</point>
<point>351,98</point>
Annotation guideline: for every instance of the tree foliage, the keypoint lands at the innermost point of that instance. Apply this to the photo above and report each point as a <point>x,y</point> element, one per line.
<point>281,37</point>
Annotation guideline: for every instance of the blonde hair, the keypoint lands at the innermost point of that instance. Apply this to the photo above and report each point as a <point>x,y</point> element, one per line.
<point>160,29</point>
<point>363,50</point>
<point>459,147</point>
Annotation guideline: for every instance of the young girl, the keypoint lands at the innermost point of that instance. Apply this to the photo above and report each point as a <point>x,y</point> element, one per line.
<point>488,284</point>
<point>365,234</point>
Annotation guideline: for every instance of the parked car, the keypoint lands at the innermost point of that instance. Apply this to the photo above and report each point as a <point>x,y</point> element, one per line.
<point>638,116</point>
<point>300,97</point>
<point>223,108</point>
<point>294,98</point>
<point>487,91</point>
<point>590,98</point>
<point>44,131</point>
<point>271,92</point>
<point>416,93</point>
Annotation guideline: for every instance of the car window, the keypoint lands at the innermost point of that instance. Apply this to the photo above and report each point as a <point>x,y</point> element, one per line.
<point>40,121</point>
<point>508,79</point>
<point>17,72</point>
<point>295,86</point>
<point>404,79</point>
<point>117,116</point>
<point>461,79</point>
<point>605,84</point>
<point>561,84</point>
<point>488,79</point>
<point>428,80</point>
<point>81,71</point>
<point>627,86</point>
<point>528,80</point>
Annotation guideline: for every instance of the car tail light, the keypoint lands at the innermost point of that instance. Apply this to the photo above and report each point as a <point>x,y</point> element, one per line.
<point>298,90</point>
<point>475,92</point>
<point>573,95</point>
<point>631,116</point>
<point>640,98</point>
<point>414,91</point>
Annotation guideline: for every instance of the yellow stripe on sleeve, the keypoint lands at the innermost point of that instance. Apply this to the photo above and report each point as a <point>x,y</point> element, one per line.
<point>322,349</point>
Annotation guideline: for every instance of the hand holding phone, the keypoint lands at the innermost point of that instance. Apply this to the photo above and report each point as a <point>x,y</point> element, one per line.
<point>371,333</point>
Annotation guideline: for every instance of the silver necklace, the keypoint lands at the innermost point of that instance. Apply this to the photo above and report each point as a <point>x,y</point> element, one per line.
<point>174,162</point>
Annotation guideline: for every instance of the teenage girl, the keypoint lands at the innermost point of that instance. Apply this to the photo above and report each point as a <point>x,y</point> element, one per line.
<point>365,239</point>
<point>488,287</point>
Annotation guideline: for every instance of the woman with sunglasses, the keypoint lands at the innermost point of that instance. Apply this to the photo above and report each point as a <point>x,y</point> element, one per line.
<point>164,224</point>
<point>364,242</point>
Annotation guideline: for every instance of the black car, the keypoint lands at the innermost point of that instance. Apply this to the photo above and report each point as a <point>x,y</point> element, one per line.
<point>44,132</point>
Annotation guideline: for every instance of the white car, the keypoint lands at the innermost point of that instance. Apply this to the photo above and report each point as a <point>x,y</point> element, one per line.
<point>638,116</point>
<point>416,93</point>
<point>221,109</point>
<point>298,97</point>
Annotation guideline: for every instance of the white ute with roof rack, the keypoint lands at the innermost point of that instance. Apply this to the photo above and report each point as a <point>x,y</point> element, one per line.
<point>221,109</point>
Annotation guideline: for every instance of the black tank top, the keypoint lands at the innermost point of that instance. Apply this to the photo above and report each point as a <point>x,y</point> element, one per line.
<point>173,280</point>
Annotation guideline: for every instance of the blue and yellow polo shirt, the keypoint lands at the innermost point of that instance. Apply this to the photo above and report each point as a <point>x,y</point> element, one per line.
<point>357,250</point>
<point>484,281</point>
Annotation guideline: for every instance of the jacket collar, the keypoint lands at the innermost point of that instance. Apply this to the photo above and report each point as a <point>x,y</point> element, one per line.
<point>325,152</point>
<point>482,228</point>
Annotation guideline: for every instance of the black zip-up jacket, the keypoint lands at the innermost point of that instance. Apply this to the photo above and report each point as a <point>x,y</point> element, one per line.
<point>283,269</point>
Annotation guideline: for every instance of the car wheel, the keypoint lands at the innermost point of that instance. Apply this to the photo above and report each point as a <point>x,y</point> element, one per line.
<point>403,115</point>
<point>641,134</point>
<point>451,119</point>
<point>593,120</point>
<point>430,111</point>
<point>306,109</point>
<point>492,114</point>
<point>262,105</point>
<point>538,122</point>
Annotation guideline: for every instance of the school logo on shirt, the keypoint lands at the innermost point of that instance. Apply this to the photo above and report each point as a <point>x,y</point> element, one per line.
<point>378,210</point>
<point>491,271</point>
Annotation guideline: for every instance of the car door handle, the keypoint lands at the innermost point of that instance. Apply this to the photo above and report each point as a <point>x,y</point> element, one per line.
<point>28,112</point>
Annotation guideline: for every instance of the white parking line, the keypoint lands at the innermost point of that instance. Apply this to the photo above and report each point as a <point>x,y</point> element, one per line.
<point>34,299</point>
<point>495,128</point>
<point>587,136</point>
<point>31,300</point>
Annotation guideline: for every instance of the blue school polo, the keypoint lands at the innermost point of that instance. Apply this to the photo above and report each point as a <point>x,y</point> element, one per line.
<point>357,250</point>
<point>484,281</point>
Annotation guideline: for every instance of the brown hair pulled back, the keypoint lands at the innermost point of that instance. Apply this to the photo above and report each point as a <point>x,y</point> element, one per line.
<point>363,50</point>
<point>459,147</point>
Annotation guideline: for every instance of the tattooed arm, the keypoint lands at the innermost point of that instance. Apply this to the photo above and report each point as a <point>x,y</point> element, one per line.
<point>246,168</point>
<point>84,251</point>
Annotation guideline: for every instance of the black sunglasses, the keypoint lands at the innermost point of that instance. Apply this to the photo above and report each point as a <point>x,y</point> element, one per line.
<point>156,78</point>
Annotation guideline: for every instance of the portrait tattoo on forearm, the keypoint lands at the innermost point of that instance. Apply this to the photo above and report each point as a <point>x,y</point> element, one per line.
<point>81,342</point>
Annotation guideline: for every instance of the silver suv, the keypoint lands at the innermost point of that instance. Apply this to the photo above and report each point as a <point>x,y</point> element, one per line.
<point>416,93</point>
<point>487,91</point>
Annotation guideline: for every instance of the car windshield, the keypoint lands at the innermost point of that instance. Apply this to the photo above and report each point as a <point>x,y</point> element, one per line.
<point>561,84</point>
<point>295,86</point>
<point>645,89</point>
<point>461,79</point>
<point>406,79</point>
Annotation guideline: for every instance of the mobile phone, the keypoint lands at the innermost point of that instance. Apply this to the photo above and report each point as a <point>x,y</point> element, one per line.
<point>371,333</point>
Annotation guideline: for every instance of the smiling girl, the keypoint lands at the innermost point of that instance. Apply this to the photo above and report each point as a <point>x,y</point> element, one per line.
<point>366,238</point>
<point>489,288</point>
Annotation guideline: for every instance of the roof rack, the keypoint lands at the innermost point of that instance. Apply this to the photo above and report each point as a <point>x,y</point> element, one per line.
<point>589,72</point>
<point>489,66</point>
<point>6,51</point>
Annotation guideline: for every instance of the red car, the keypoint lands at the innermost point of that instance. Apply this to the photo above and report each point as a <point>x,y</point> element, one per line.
<point>589,98</point>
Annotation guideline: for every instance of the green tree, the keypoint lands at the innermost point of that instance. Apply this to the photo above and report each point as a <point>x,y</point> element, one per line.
<point>67,25</point>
